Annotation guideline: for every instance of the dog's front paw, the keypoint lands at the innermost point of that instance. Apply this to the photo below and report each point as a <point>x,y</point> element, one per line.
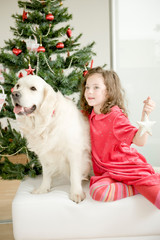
<point>77,197</point>
<point>40,191</point>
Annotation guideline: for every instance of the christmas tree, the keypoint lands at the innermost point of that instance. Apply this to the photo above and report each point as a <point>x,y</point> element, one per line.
<point>41,46</point>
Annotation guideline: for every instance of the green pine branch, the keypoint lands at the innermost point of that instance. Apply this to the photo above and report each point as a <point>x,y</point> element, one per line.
<point>12,142</point>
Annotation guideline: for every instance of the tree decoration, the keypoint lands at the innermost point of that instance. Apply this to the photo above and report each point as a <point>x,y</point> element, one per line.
<point>36,32</point>
<point>146,125</point>
<point>30,70</point>
<point>20,75</point>
<point>32,45</point>
<point>86,71</point>
<point>49,17</point>
<point>2,69</point>
<point>2,97</point>
<point>69,32</point>
<point>16,51</point>
<point>41,49</point>
<point>48,64</point>
<point>60,45</point>
<point>43,2</point>
<point>24,16</point>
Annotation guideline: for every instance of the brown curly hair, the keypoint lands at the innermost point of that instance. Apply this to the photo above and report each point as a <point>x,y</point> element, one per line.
<point>114,90</point>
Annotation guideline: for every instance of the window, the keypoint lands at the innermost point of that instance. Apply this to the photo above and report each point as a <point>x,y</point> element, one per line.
<point>136,59</point>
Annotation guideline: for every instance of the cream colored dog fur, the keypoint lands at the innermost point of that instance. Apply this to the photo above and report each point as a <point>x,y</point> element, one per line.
<point>55,130</point>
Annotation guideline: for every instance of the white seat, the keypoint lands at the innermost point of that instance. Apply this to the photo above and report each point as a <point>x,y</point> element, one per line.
<point>54,216</point>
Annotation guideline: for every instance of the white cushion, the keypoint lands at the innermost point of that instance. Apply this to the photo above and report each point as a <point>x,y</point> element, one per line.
<point>54,216</point>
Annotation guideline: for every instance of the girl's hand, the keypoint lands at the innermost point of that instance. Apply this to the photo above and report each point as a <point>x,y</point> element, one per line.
<point>149,105</point>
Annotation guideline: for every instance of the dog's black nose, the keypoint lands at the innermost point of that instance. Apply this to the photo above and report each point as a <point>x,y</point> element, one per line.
<point>16,95</point>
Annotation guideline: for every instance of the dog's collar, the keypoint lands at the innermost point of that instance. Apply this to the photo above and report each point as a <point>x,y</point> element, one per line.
<point>53,113</point>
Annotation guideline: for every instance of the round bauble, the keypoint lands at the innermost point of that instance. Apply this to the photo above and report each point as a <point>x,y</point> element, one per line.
<point>41,49</point>
<point>49,17</point>
<point>60,45</point>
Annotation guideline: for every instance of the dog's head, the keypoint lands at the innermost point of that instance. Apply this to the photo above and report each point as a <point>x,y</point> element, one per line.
<point>31,94</point>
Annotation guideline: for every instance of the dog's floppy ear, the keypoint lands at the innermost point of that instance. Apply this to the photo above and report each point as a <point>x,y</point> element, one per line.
<point>49,99</point>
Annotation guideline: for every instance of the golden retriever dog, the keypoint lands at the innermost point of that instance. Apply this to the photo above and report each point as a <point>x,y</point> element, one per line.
<point>55,130</point>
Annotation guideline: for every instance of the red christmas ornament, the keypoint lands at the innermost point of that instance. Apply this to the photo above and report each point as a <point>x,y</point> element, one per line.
<point>49,17</point>
<point>29,70</point>
<point>24,16</point>
<point>69,32</point>
<point>84,73</point>
<point>41,49</point>
<point>16,51</point>
<point>12,89</point>
<point>20,75</point>
<point>60,45</point>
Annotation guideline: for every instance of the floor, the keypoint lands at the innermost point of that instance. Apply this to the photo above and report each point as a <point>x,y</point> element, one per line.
<point>8,189</point>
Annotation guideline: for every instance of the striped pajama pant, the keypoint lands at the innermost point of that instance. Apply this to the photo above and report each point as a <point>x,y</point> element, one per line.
<point>107,190</point>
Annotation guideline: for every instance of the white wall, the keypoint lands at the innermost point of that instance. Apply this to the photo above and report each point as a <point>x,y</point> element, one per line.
<point>90,17</point>
<point>7,8</point>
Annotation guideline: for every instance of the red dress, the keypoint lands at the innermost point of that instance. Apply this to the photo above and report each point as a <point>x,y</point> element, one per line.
<point>112,155</point>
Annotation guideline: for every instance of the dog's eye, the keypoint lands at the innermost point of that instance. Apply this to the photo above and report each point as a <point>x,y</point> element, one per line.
<point>17,86</point>
<point>33,88</point>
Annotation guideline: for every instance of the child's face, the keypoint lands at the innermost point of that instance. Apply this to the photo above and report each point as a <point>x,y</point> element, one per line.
<point>95,92</point>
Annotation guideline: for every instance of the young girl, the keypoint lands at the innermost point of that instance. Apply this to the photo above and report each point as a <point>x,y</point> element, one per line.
<point>120,171</point>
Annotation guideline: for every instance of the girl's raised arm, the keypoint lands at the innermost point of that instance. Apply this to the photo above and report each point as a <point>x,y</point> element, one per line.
<point>140,139</point>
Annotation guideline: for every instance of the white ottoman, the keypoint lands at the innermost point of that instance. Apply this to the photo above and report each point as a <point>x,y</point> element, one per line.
<point>54,216</point>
